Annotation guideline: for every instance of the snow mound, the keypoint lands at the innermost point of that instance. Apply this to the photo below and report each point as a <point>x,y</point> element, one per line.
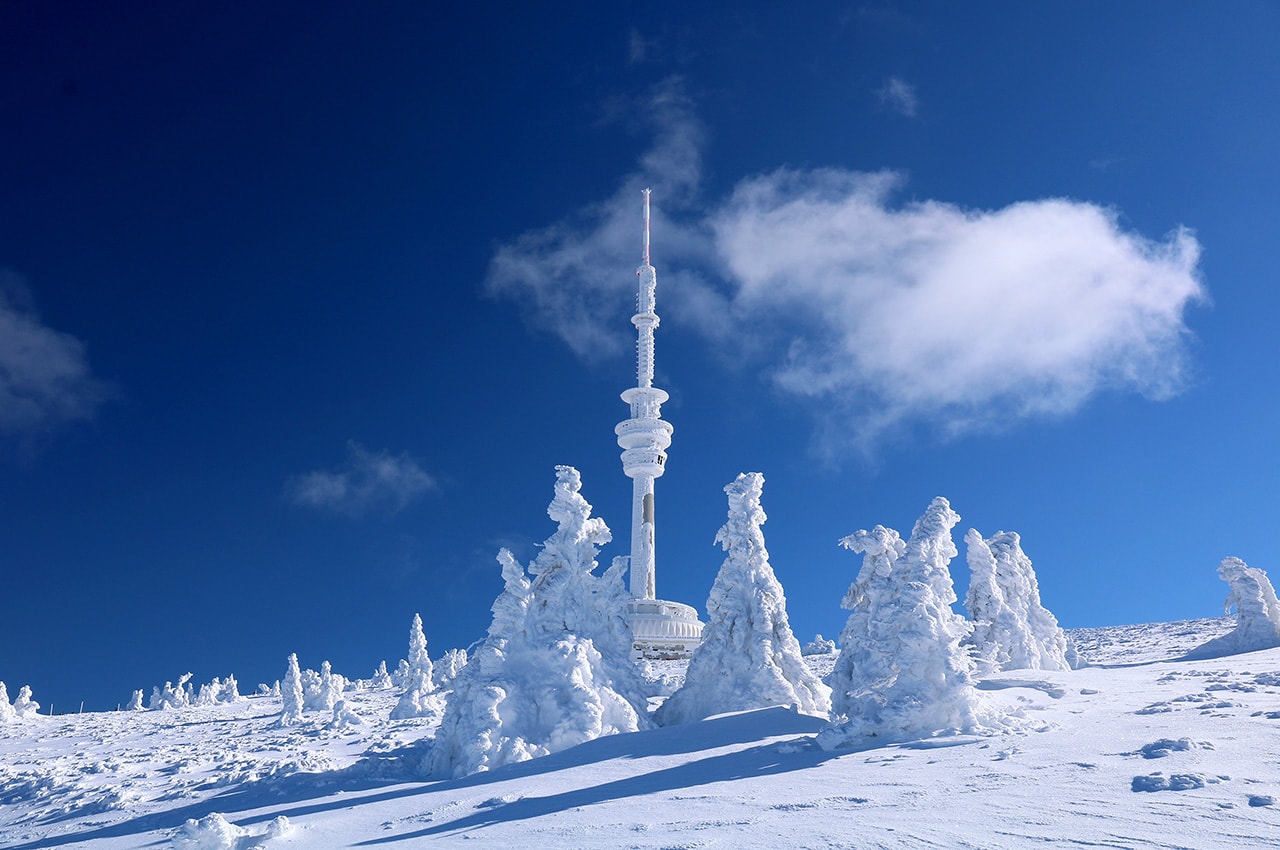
<point>555,669</point>
<point>1257,612</point>
<point>902,673</point>
<point>215,832</point>
<point>1011,629</point>
<point>749,658</point>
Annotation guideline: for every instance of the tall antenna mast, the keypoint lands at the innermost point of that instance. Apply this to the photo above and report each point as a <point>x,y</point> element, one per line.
<point>646,226</point>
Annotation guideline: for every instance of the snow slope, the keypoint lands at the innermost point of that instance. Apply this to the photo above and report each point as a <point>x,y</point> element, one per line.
<point>1141,750</point>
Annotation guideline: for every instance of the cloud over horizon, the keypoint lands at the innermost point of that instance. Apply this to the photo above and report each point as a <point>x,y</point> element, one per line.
<point>879,315</point>
<point>45,379</point>
<point>367,482</point>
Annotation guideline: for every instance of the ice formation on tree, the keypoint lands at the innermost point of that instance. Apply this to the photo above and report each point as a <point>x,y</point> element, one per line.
<point>171,697</point>
<point>1011,629</point>
<point>748,657</point>
<point>381,678</point>
<point>1250,593</point>
<point>555,669</point>
<point>818,646</point>
<point>416,701</point>
<point>24,706</point>
<point>218,691</point>
<point>902,672</point>
<point>291,692</point>
<point>135,702</point>
<point>322,691</point>
<point>7,714</point>
<point>448,667</point>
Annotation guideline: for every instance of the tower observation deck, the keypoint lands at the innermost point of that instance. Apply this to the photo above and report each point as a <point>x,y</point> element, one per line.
<point>660,629</point>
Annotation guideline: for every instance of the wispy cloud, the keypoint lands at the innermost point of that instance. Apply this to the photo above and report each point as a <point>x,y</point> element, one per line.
<point>572,277</point>
<point>900,96</point>
<point>45,379</point>
<point>883,317</point>
<point>368,482</point>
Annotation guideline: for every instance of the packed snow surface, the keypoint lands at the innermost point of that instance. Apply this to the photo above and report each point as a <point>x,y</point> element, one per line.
<point>1142,749</point>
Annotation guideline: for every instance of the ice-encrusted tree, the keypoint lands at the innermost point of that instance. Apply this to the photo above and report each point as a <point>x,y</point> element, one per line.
<point>1011,629</point>
<point>7,714</point>
<point>416,700</point>
<point>553,670</point>
<point>818,646</point>
<point>381,678</point>
<point>749,657</point>
<point>291,692</point>
<point>448,667</point>
<point>1251,596</point>
<point>135,702</point>
<point>902,672</point>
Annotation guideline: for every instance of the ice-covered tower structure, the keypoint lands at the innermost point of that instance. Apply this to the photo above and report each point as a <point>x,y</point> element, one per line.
<point>660,629</point>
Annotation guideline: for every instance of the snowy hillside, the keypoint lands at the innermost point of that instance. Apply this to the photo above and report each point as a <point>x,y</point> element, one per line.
<point>1140,750</point>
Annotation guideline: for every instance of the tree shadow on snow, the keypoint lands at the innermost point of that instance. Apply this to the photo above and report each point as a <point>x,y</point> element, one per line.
<point>758,761</point>
<point>398,771</point>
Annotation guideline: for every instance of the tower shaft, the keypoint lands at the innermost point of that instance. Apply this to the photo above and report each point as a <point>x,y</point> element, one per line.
<point>644,437</point>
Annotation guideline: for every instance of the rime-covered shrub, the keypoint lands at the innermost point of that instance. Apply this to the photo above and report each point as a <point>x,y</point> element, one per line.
<point>1251,596</point>
<point>171,696</point>
<point>291,692</point>
<point>218,691</point>
<point>321,691</point>
<point>1011,629</point>
<point>555,668</point>
<point>818,646</point>
<point>902,672</point>
<point>381,678</point>
<point>135,703</point>
<point>7,714</point>
<point>24,706</point>
<point>748,657</point>
<point>448,668</point>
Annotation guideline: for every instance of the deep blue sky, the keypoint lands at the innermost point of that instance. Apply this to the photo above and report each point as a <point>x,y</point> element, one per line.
<point>250,254</point>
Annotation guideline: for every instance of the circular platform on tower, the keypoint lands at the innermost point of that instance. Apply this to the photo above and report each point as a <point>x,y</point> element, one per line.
<point>662,629</point>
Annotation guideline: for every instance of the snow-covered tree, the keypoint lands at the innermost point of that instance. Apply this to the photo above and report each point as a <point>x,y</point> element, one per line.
<point>381,678</point>
<point>553,670</point>
<point>448,667</point>
<point>419,660</point>
<point>902,672</point>
<point>416,700</point>
<point>135,703</point>
<point>7,714</point>
<point>291,692</point>
<point>1011,629</point>
<point>172,696</point>
<point>1251,596</point>
<point>748,657</point>
<point>24,706</point>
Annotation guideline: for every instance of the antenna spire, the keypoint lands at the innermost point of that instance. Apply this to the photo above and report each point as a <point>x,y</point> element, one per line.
<point>646,226</point>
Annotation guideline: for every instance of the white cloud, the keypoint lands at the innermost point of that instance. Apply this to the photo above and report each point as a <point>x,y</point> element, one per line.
<point>45,380</point>
<point>900,96</point>
<point>883,317</point>
<point>367,482</point>
<point>965,320</point>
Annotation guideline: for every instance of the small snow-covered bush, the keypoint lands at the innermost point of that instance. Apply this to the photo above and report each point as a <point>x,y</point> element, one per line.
<point>1257,610</point>
<point>748,657</point>
<point>381,678</point>
<point>818,646</point>
<point>448,667</point>
<point>24,706</point>
<point>1011,629</point>
<point>902,672</point>
<point>555,669</point>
